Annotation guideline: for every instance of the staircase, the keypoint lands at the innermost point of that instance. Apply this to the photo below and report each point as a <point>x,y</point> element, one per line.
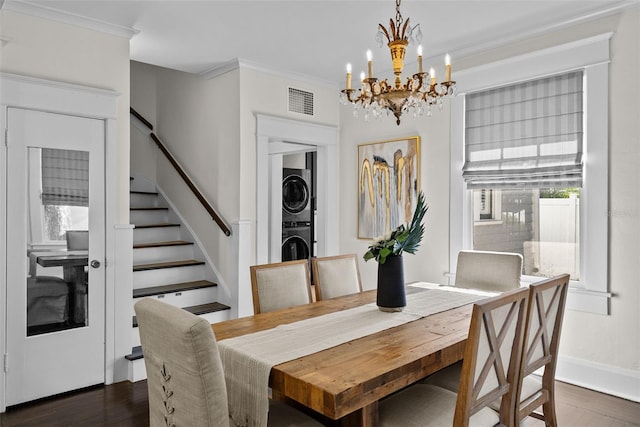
<point>167,265</point>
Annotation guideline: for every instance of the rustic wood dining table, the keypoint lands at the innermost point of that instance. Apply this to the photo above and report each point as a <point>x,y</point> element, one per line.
<point>343,384</point>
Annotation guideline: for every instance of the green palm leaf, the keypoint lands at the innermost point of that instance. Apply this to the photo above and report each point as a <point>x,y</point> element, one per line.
<point>402,239</point>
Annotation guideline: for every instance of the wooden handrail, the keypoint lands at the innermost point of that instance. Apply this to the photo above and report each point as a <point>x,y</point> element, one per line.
<point>196,192</point>
<point>139,117</point>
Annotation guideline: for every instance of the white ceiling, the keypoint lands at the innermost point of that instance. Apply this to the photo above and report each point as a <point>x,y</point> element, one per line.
<point>316,38</point>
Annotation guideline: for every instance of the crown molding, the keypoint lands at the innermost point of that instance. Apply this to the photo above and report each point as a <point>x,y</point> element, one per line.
<point>69,18</point>
<point>501,41</point>
<point>240,63</point>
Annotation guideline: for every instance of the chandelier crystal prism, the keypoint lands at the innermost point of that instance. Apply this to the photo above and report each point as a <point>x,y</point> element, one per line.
<point>418,94</point>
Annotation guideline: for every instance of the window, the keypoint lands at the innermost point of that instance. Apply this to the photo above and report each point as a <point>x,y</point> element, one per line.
<point>58,193</point>
<point>529,165</point>
<point>523,148</point>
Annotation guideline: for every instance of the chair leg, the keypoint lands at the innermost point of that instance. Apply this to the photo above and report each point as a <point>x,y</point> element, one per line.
<point>549,411</point>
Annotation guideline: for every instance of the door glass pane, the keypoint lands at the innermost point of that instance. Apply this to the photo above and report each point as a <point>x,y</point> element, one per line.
<point>541,224</point>
<point>57,240</point>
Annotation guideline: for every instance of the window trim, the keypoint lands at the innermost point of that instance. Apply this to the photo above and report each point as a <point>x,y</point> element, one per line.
<point>592,54</point>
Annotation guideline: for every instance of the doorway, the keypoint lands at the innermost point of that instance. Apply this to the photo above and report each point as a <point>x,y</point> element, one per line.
<point>275,138</point>
<point>55,269</point>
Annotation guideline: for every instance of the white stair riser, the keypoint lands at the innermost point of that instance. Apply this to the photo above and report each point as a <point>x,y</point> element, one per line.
<point>146,217</point>
<point>186,298</point>
<point>155,234</point>
<point>137,370</point>
<point>215,317</point>
<point>162,254</point>
<point>137,200</point>
<point>167,276</point>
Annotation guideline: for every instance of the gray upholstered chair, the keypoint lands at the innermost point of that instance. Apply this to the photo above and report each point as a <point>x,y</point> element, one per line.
<point>489,372</point>
<point>77,240</point>
<point>335,276</point>
<point>490,271</point>
<point>184,371</point>
<point>547,300</point>
<point>47,297</point>
<point>280,285</point>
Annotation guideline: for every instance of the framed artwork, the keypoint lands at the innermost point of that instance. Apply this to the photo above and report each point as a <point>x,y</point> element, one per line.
<point>388,185</point>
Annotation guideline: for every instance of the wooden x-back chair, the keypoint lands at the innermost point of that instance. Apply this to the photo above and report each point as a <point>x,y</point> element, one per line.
<point>489,373</point>
<point>547,301</point>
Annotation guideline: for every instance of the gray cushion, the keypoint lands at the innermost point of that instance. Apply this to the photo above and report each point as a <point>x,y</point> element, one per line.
<point>491,271</point>
<point>427,405</point>
<point>47,300</point>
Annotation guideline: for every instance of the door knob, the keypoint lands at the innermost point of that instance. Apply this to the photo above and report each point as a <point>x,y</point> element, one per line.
<point>95,263</point>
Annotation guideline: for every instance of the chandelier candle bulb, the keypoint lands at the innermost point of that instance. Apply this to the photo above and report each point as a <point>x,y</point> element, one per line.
<point>370,63</point>
<point>348,76</point>
<point>362,77</point>
<point>447,62</point>
<point>432,73</point>
<point>419,58</point>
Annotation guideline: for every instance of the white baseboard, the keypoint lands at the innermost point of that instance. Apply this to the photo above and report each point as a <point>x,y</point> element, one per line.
<point>624,383</point>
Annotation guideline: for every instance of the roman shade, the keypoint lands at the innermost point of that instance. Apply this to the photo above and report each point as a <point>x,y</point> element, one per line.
<point>526,135</point>
<point>65,177</point>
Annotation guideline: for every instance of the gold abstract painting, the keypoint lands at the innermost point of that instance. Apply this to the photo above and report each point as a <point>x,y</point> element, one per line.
<point>388,185</point>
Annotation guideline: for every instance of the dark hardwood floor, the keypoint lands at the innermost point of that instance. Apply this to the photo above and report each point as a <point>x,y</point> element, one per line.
<point>125,404</point>
<point>122,404</point>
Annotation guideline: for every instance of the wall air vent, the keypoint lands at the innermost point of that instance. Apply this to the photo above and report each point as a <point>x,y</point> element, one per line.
<point>300,101</point>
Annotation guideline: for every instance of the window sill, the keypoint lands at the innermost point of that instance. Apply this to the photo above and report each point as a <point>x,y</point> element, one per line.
<point>488,222</point>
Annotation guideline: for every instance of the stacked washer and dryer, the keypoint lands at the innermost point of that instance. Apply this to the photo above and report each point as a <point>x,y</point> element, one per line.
<point>297,233</point>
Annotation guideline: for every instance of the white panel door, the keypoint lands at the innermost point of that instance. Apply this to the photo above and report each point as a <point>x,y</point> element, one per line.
<point>55,293</point>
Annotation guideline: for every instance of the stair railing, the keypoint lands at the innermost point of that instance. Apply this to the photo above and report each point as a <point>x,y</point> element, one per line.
<point>196,192</point>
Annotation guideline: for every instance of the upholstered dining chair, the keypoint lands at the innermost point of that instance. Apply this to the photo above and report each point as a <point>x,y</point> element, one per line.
<point>280,285</point>
<point>185,377</point>
<point>489,372</point>
<point>490,271</point>
<point>335,276</point>
<point>47,297</point>
<point>547,300</point>
<point>77,240</point>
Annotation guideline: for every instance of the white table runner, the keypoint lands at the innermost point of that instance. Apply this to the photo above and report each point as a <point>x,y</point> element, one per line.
<point>248,359</point>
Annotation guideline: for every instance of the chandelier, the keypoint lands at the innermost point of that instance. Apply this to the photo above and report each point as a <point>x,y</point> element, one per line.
<point>417,95</point>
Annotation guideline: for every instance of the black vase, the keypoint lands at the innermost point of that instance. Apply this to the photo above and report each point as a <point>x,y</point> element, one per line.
<point>391,289</point>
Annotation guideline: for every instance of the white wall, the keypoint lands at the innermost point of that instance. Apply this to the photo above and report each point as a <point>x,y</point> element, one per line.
<point>66,53</point>
<point>432,259</point>
<point>266,93</point>
<point>61,52</point>
<point>591,345</point>
<point>143,100</point>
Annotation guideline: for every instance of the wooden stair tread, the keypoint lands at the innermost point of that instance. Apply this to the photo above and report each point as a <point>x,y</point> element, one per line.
<point>150,208</point>
<point>176,287</point>
<point>211,307</point>
<point>163,224</point>
<point>143,192</point>
<point>168,264</point>
<point>136,353</point>
<point>161,244</point>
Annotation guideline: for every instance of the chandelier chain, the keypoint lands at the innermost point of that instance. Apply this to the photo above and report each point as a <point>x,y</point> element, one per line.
<point>398,15</point>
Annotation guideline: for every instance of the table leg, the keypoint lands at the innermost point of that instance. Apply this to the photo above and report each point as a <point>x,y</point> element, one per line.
<point>75,275</point>
<point>367,416</point>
